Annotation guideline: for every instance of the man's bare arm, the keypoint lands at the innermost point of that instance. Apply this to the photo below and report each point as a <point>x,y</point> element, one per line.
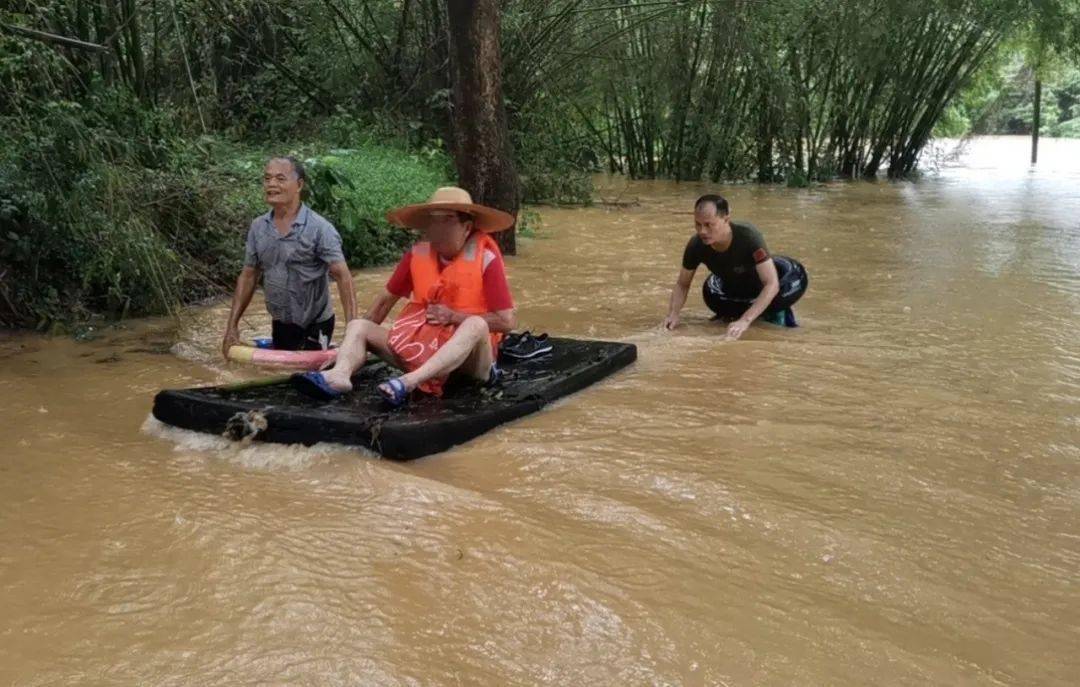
<point>245,289</point>
<point>382,306</point>
<point>346,289</point>
<point>770,287</point>
<point>679,293</point>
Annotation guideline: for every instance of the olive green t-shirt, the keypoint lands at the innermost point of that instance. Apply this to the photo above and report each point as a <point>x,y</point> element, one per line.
<point>737,266</point>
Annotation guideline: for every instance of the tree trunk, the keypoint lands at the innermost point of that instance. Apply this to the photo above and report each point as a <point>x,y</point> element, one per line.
<point>135,48</point>
<point>482,150</point>
<point>1035,124</point>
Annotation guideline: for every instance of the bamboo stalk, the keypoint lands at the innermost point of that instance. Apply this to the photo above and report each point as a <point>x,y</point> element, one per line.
<point>54,38</point>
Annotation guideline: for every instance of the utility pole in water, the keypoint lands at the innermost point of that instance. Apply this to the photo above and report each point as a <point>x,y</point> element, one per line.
<point>1035,125</point>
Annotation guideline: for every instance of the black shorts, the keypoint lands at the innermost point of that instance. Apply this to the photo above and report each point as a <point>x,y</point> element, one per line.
<point>293,337</point>
<point>793,283</point>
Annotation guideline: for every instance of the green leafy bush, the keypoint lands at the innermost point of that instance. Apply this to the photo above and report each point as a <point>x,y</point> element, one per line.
<point>103,209</point>
<point>1067,129</point>
<point>354,189</point>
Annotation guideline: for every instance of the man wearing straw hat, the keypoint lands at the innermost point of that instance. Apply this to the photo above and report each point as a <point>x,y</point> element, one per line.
<point>459,304</point>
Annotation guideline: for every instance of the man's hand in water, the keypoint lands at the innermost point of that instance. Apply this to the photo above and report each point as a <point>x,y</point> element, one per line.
<point>737,328</point>
<point>232,338</point>
<point>671,321</point>
<point>440,314</point>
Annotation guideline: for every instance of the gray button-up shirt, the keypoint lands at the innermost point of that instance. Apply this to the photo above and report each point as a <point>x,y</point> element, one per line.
<point>296,277</point>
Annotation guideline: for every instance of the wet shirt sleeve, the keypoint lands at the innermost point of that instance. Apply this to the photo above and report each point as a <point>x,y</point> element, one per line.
<point>757,249</point>
<point>329,249</point>
<point>496,288</point>
<point>251,249</point>
<point>691,256</point>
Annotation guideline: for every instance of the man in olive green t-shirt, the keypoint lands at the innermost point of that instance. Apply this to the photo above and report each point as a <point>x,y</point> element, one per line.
<point>745,281</point>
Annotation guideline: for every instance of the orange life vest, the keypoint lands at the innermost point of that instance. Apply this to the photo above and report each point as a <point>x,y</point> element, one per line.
<point>458,285</point>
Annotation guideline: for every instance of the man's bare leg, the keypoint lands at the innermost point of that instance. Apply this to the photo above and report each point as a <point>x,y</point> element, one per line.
<point>469,350</point>
<point>360,336</point>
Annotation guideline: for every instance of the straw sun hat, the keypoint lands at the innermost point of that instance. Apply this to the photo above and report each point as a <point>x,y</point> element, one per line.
<point>454,199</point>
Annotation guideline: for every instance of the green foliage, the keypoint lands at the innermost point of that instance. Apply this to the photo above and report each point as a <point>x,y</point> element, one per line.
<point>1043,43</point>
<point>1019,118</point>
<point>103,208</point>
<point>977,100</point>
<point>355,188</point>
<point>98,218</point>
<point>793,90</point>
<point>530,223</point>
<point>954,122</point>
<point>555,159</point>
<point>1066,129</point>
<point>127,175</point>
<point>1001,99</point>
<point>678,89</point>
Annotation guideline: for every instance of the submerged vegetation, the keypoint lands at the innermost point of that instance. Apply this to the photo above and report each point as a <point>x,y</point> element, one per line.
<point>132,133</point>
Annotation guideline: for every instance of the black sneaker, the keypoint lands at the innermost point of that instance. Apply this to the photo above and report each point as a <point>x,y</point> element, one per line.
<point>526,346</point>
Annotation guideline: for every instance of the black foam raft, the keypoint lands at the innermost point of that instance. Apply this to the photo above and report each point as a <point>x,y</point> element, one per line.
<point>275,412</point>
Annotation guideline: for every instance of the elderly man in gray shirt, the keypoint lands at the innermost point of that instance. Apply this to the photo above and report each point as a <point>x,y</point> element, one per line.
<point>295,251</point>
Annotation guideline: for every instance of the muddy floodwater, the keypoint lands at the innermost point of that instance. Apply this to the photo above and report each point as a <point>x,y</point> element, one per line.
<point>889,494</point>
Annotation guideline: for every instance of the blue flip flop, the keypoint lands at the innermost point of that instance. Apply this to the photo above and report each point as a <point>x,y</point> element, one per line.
<point>314,384</point>
<point>394,392</point>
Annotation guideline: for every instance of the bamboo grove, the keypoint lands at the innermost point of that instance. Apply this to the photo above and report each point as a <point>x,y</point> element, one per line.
<point>718,89</point>
<point>787,89</point>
